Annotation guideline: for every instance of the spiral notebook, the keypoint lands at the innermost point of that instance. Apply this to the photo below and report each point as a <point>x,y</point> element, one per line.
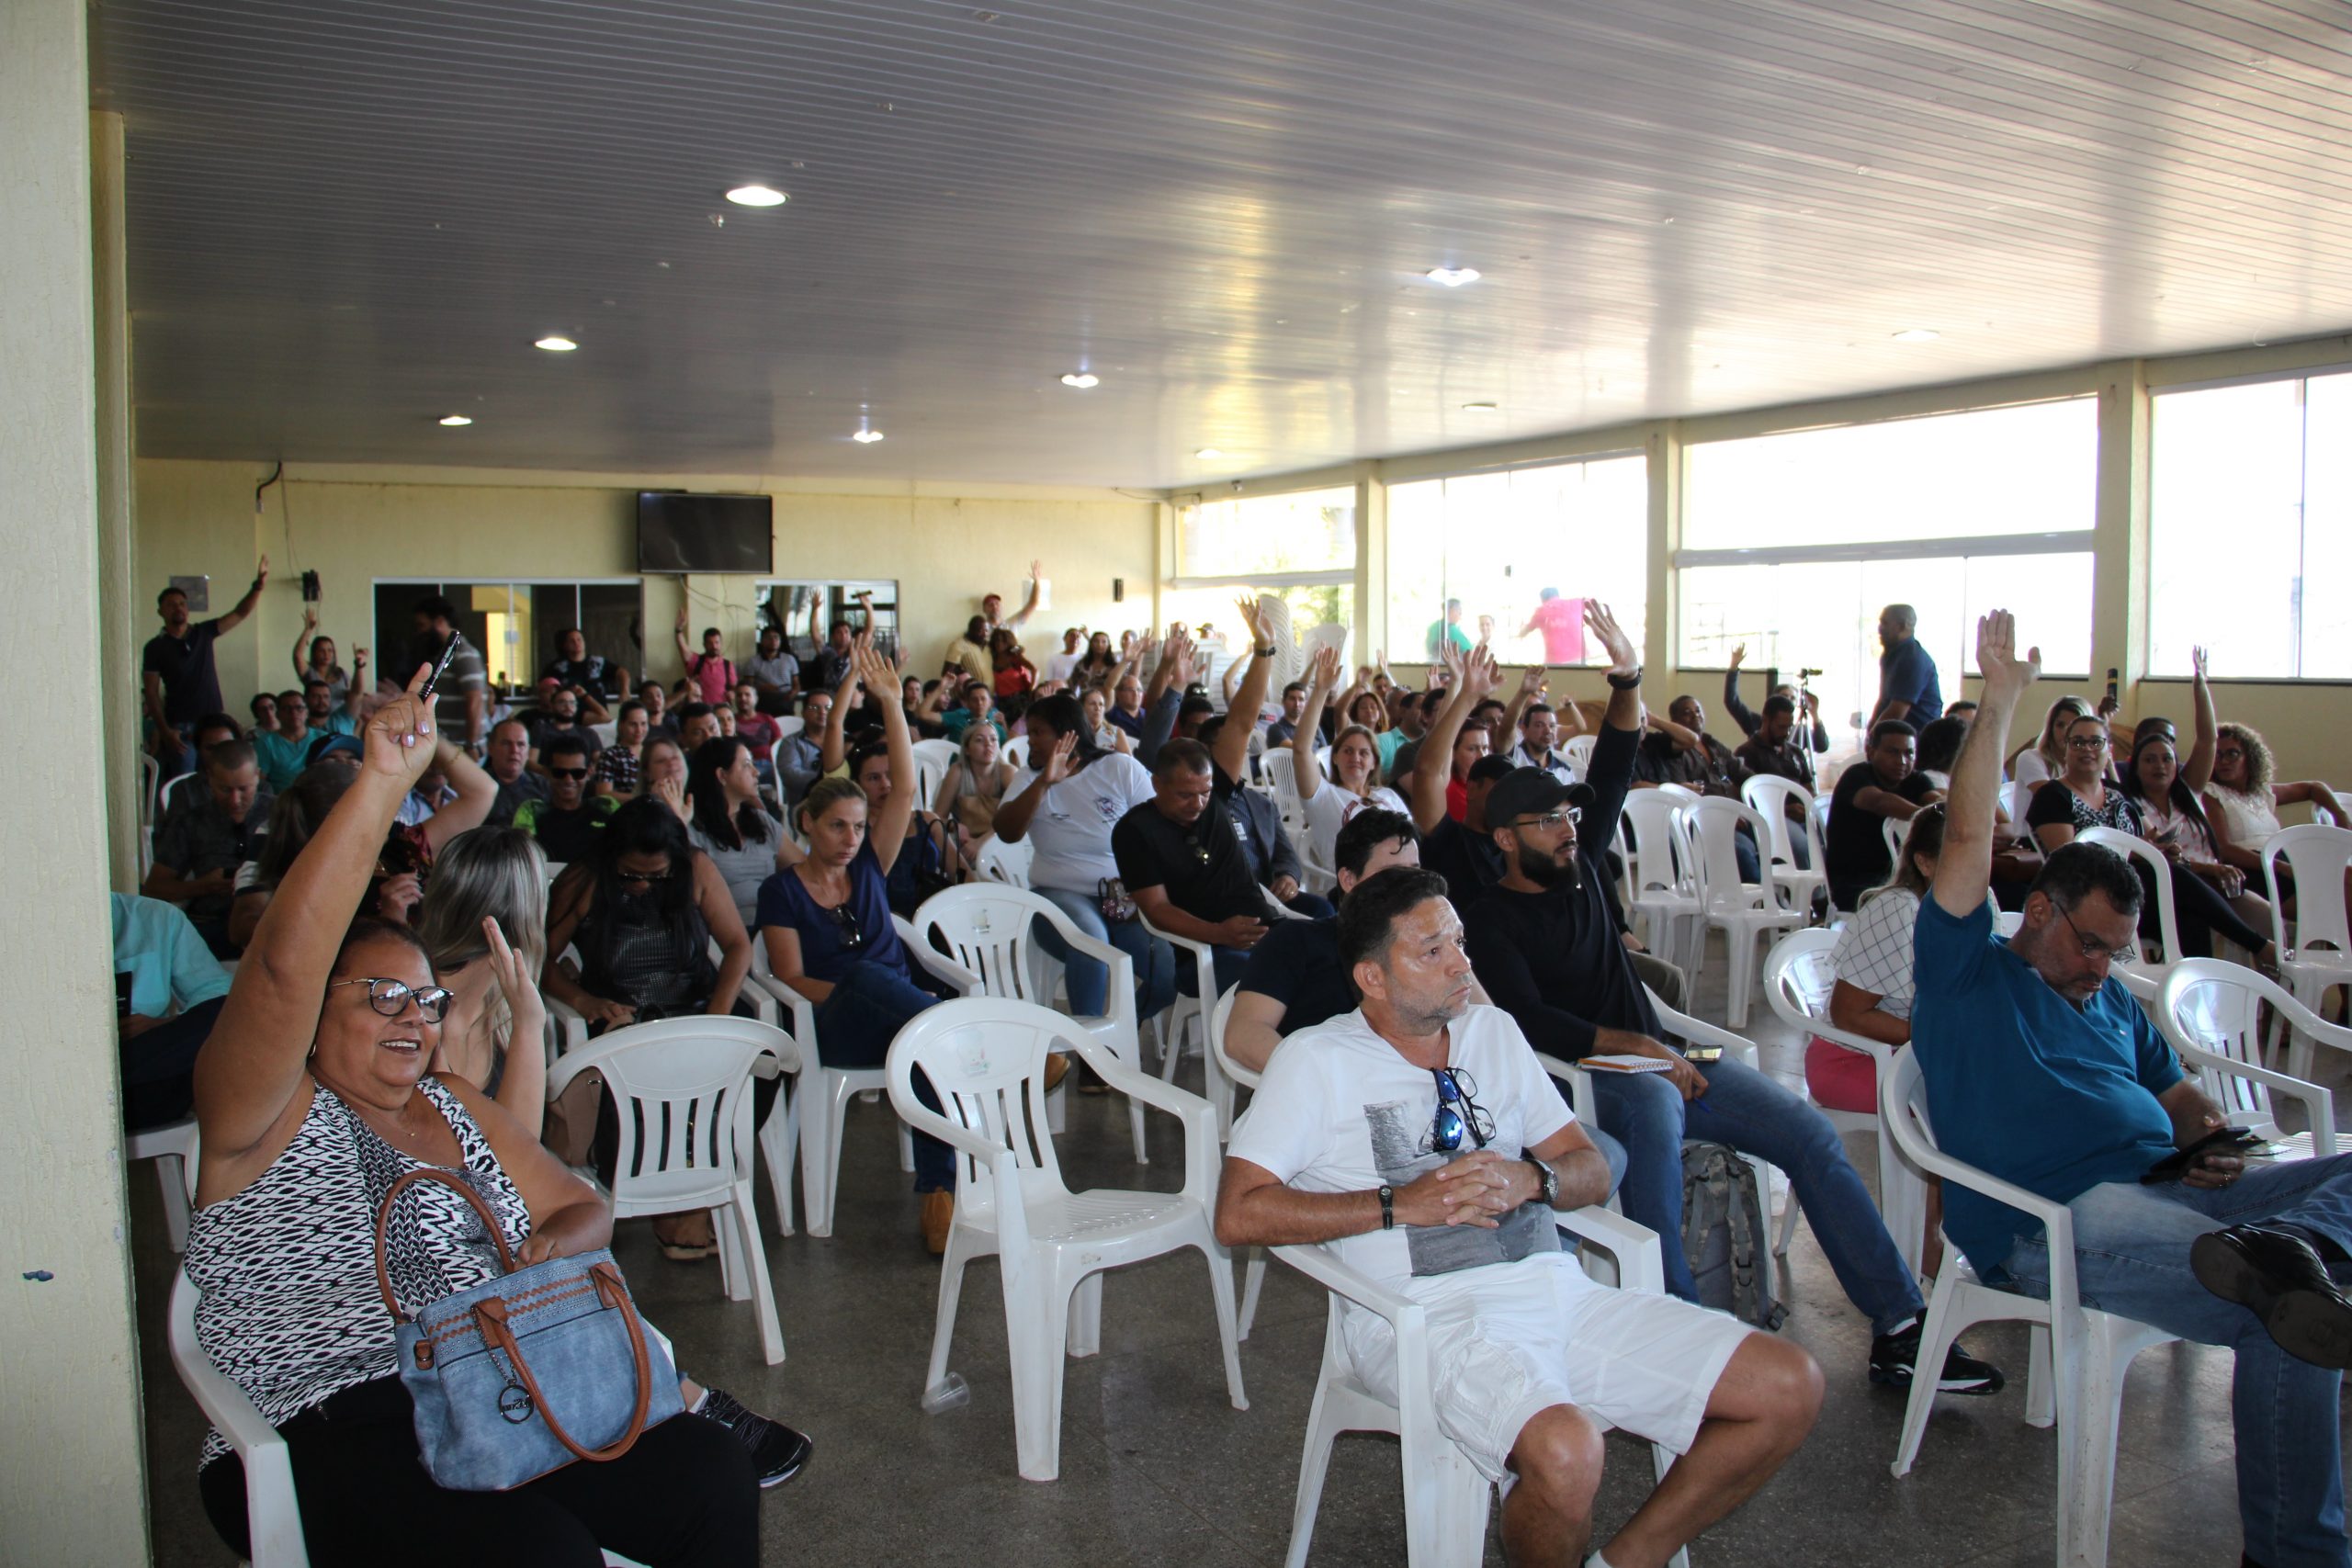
<point>1626,1064</point>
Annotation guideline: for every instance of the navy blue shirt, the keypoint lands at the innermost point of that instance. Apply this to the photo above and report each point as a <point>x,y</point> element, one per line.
<point>1906,674</point>
<point>191,685</point>
<point>2025,1086</point>
<point>860,932</point>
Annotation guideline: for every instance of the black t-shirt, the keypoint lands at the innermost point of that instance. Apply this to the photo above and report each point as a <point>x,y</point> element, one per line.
<point>191,685</point>
<point>570,837</point>
<point>1298,965</point>
<point>592,673</point>
<point>1857,839</point>
<point>1201,864</point>
<point>1469,862</point>
<point>2055,805</point>
<point>1553,961</point>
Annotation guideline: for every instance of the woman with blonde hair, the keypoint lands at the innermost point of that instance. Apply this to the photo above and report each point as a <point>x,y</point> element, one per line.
<point>488,882</point>
<point>1354,785</point>
<point>2036,765</point>
<point>973,787</point>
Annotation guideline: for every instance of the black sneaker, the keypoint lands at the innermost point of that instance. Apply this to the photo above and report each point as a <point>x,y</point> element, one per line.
<point>777,1451</point>
<point>1894,1357</point>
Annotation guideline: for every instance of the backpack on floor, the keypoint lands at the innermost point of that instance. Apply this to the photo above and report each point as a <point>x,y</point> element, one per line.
<point>1726,1236</point>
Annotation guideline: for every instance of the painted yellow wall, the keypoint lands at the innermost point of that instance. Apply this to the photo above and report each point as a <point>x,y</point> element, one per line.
<point>353,526</point>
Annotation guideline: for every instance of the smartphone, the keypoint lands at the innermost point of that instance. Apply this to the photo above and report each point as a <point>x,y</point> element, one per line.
<point>2111,686</point>
<point>447,654</point>
<point>2221,1140</point>
<point>1703,1053</point>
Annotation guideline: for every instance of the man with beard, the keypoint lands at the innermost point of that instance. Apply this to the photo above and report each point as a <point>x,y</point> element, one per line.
<point>1547,950</point>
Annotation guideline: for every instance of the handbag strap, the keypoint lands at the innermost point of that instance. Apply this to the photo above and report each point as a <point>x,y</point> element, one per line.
<point>490,1316</point>
<point>384,1220</point>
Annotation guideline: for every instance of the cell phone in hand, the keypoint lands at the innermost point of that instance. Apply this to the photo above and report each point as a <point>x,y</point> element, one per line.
<point>2220,1141</point>
<point>1703,1053</point>
<point>447,655</point>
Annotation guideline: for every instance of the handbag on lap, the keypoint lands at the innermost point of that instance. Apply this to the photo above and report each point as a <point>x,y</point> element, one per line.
<point>524,1373</point>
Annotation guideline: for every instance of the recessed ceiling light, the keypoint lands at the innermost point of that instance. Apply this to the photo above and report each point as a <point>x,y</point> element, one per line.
<point>1917,334</point>
<point>1478,408</point>
<point>1209,452</point>
<point>455,419</point>
<point>1081,379</point>
<point>865,438</point>
<point>757,195</point>
<point>555,345</point>
<point>1452,277</point>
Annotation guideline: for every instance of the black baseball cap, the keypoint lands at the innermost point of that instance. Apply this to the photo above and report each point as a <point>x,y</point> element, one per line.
<point>1531,792</point>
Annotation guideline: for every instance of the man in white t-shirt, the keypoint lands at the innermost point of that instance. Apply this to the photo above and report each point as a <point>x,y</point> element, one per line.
<point>1060,666</point>
<point>1420,1140</point>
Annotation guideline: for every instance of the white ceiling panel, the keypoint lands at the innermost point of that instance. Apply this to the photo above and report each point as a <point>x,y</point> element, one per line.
<point>348,220</point>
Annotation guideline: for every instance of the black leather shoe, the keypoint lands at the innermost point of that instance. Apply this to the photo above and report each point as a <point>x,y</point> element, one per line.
<point>2277,1275</point>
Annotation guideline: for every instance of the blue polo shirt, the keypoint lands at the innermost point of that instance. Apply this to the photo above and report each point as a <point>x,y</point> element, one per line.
<point>2025,1085</point>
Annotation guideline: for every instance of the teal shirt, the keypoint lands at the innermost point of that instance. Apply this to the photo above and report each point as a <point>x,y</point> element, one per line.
<point>167,962</point>
<point>2025,1085</point>
<point>281,760</point>
<point>1443,632</point>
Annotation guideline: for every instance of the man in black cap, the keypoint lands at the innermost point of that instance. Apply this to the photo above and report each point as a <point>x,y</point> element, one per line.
<point>1544,945</point>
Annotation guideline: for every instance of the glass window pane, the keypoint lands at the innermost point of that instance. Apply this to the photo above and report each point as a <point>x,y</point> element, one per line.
<point>2225,528</point>
<point>1499,542</point>
<point>2028,469</point>
<point>2326,590</point>
<point>1311,530</point>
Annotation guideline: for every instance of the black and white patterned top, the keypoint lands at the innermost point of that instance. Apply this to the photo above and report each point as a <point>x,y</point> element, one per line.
<point>289,1309</point>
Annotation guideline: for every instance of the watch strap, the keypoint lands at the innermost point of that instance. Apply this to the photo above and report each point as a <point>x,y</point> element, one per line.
<point>1387,1208</point>
<point>1625,683</point>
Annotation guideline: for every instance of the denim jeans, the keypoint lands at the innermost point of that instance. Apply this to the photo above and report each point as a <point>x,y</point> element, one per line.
<point>1755,1115</point>
<point>855,1027</point>
<point>2132,1258</point>
<point>1088,979</point>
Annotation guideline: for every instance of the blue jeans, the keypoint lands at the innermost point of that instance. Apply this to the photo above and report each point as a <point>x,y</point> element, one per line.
<point>855,1027</point>
<point>1088,979</point>
<point>1755,1115</point>
<point>2132,1258</point>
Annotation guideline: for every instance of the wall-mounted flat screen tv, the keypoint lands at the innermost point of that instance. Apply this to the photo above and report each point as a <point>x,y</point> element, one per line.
<point>678,532</point>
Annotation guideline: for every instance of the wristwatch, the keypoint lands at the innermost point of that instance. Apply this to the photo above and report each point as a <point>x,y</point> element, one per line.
<point>1264,652</point>
<point>1547,1178</point>
<point>1388,1208</point>
<point>1625,683</point>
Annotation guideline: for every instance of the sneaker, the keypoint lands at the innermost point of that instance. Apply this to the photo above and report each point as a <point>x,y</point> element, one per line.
<point>777,1451</point>
<point>1894,1357</point>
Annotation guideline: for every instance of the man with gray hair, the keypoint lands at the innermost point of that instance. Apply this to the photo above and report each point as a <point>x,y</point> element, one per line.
<point>1907,675</point>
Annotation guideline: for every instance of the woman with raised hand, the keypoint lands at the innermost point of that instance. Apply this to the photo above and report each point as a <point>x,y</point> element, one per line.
<point>313,1095</point>
<point>663,775</point>
<point>1355,781</point>
<point>826,923</point>
<point>972,788</point>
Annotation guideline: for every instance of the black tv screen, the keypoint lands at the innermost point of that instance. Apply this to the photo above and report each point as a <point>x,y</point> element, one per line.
<point>676,532</point>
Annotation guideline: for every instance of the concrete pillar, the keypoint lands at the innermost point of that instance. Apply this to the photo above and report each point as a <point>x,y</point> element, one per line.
<point>73,1487</point>
<point>119,625</point>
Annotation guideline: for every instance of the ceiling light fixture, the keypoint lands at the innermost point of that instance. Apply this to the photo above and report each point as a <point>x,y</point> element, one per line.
<point>1479,408</point>
<point>555,345</point>
<point>1209,452</point>
<point>455,419</point>
<point>865,438</point>
<point>1452,277</point>
<point>1081,379</point>
<point>1917,334</point>
<point>757,195</point>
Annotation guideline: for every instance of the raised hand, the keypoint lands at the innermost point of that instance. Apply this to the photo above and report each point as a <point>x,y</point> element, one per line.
<point>400,735</point>
<point>671,793</point>
<point>1480,673</point>
<point>2006,674</point>
<point>513,975</point>
<point>310,619</point>
<point>1533,681</point>
<point>1739,656</point>
<point>1254,617</point>
<point>1623,659</point>
<point>682,617</point>
<point>260,573</point>
<point>878,676</point>
<point>1451,657</point>
<point>1323,670</point>
<point>2197,657</point>
<point>1057,760</point>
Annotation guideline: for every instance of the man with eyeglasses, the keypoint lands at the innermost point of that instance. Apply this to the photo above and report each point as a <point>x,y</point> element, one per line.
<point>1547,950</point>
<point>2041,1069</point>
<point>567,821</point>
<point>1419,1139</point>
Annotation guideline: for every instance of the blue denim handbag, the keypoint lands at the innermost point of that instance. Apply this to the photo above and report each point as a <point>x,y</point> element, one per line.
<point>523,1374</point>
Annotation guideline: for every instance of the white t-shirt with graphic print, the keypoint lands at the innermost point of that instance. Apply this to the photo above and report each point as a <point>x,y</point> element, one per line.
<point>1071,829</point>
<point>1339,1110</point>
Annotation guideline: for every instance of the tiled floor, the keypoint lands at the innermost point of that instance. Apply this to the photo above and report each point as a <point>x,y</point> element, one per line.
<point>1157,1466</point>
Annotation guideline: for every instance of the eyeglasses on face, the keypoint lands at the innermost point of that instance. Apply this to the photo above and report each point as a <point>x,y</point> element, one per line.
<point>391,996</point>
<point>567,773</point>
<point>2086,742</point>
<point>1552,821</point>
<point>1457,1113</point>
<point>2092,948</point>
<point>645,879</point>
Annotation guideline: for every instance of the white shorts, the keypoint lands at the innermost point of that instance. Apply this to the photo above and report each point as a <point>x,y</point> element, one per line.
<point>1509,1339</point>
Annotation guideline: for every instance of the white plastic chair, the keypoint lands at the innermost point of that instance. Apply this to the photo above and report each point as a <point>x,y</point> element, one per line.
<point>1798,976</point>
<point>812,1124</point>
<point>1253,1273</point>
<point>170,794</point>
<point>1771,795</point>
<point>2140,967</point>
<point>1743,911</point>
<point>1188,1017</point>
<point>2210,1010</point>
<point>173,1147</point>
<point>1445,1498</point>
<point>986,1057</point>
<point>2079,1354</point>
<point>932,759</point>
<point>1280,766</point>
<point>2320,956</point>
<point>997,861</point>
<point>682,1087</point>
<point>1661,867</point>
<point>606,732</point>
<point>788,726</point>
<point>151,774</point>
<point>1014,753</point>
<point>990,931</point>
<point>1578,750</point>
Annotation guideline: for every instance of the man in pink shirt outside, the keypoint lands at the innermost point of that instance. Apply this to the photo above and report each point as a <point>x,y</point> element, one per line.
<point>1562,622</point>
<point>712,669</point>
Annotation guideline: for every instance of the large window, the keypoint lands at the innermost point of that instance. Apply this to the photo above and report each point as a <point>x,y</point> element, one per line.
<point>1510,545</point>
<point>1299,548</point>
<point>515,623</point>
<point>2250,529</point>
<point>1792,543</point>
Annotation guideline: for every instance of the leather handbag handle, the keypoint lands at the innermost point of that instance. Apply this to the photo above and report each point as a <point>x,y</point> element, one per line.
<point>384,1220</point>
<point>490,1318</point>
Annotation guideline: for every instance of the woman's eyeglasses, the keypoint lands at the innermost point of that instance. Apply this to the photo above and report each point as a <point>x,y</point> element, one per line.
<point>643,879</point>
<point>846,924</point>
<point>391,996</point>
<point>1454,1088</point>
<point>2086,742</point>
